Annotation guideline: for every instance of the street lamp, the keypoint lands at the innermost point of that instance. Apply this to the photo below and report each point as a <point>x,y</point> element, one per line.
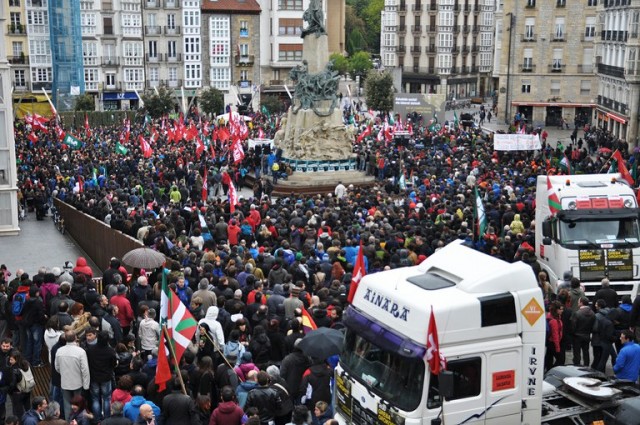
<point>507,106</point>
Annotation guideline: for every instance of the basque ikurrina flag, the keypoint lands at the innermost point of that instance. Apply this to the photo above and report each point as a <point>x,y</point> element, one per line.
<point>554,201</point>
<point>181,326</point>
<point>480,216</point>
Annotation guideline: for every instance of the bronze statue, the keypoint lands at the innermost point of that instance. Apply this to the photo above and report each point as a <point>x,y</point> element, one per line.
<point>315,19</point>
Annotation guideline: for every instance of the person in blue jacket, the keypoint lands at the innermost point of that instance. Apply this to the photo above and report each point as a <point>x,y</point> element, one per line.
<point>628,362</point>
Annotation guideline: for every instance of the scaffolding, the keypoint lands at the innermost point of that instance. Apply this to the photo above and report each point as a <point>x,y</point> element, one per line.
<point>66,53</point>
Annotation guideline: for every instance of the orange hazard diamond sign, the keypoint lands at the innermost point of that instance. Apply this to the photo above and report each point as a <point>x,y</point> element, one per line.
<point>532,311</point>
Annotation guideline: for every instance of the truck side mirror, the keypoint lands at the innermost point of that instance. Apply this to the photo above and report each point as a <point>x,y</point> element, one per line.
<point>445,384</point>
<point>546,229</point>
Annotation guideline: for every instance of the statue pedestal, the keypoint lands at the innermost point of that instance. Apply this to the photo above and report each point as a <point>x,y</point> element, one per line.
<point>315,51</point>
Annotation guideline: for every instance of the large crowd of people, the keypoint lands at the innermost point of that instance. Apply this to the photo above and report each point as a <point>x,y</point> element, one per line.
<point>245,270</point>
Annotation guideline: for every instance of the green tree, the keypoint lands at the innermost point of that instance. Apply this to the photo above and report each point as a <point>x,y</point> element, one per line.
<point>273,104</point>
<point>158,104</point>
<point>355,41</point>
<point>340,63</point>
<point>379,91</point>
<point>211,101</point>
<point>359,64</point>
<point>371,15</point>
<point>85,102</point>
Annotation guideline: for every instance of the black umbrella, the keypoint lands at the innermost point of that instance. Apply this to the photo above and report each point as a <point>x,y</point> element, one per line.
<point>322,343</point>
<point>144,258</point>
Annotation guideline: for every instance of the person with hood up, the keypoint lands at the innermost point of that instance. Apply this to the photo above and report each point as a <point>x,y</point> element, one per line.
<point>83,267</point>
<point>516,226</point>
<point>215,328</point>
<point>277,274</point>
<point>48,289</point>
<point>132,408</point>
<point>228,412</point>
<point>246,366</point>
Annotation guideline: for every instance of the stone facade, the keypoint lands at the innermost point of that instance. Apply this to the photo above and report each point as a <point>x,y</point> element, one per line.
<point>547,61</point>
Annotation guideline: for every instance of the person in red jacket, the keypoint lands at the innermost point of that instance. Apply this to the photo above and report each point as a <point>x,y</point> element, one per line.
<point>554,335</point>
<point>83,267</point>
<point>233,230</point>
<point>125,312</point>
<point>228,412</point>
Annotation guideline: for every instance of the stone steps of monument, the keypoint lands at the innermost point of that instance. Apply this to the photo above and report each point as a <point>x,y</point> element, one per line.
<point>318,182</point>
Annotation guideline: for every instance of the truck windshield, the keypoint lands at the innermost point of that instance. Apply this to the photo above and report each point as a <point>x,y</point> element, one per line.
<point>586,232</point>
<point>397,379</point>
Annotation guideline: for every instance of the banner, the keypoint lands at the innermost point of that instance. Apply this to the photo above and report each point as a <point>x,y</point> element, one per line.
<point>516,142</point>
<point>255,142</point>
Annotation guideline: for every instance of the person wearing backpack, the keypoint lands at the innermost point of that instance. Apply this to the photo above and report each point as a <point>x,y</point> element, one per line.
<point>22,383</point>
<point>18,302</point>
<point>603,336</point>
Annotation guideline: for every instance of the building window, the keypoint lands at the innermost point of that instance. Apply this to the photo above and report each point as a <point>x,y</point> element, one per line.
<point>590,28</point>
<point>290,52</point>
<point>107,25</point>
<point>14,3</point>
<point>529,29</point>
<point>192,48</point>
<point>17,48</point>
<point>289,4</point>
<point>193,75</point>
<point>244,29</point>
<point>41,75</point>
<point>132,52</point>
<point>290,26</point>
<point>133,78</point>
<point>526,86</point>
<point>91,78</point>
<point>531,3</point>
<point>154,74</point>
<point>445,40</point>
<point>173,73</point>
<point>244,49</point>
<point>171,21</point>
<point>556,63</point>
<point>220,78</point>
<point>14,19</point>
<point>88,23</point>
<point>555,87</point>
<point>244,75</point>
<point>561,3</point>
<point>527,64</point>
<point>171,49</point>
<point>19,79</point>
<point>585,87</point>
<point>152,49</point>
<point>110,80</point>
<point>592,2</point>
<point>467,380</point>
<point>131,24</point>
<point>558,33</point>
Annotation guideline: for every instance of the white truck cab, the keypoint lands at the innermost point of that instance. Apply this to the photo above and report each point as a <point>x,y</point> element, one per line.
<point>595,234</point>
<point>491,329</point>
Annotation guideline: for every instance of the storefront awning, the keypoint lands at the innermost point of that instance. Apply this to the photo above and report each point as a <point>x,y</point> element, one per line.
<point>616,118</point>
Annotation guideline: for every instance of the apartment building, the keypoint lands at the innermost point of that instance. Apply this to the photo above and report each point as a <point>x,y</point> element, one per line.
<point>17,45</point>
<point>8,172</point>
<point>618,68</point>
<point>440,46</point>
<point>547,61</point>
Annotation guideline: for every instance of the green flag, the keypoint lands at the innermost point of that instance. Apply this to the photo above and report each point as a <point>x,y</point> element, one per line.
<point>479,215</point>
<point>72,142</point>
<point>121,149</point>
<point>455,119</point>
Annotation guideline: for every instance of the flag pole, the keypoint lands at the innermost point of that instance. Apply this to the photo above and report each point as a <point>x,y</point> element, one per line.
<point>173,355</point>
<point>607,163</point>
<point>218,349</point>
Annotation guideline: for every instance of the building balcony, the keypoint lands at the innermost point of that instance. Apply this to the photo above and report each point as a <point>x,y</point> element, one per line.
<point>172,83</point>
<point>402,49</point>
<point>456,29</point>
<point>152,30</point>
<point>466,29</point>
<point>455,50</point>
<point>528,38</point>
<point>416,9</point>
<point>558,37</point>
<point>431,49</point>
<point>419,70</point>
<point>467,9</point>
<point>402,7</point>
<point>430,29</point>
<point>527,67</point>
<point>175,57</point>
<point>13,29</point>
<point>151,4</point>
<point>556,68</point>
<point>158,57</point>
<point>416,29</point>
<point>620,107</point>
<point>454,70</point>
<point>110,61</point>
<point>475,69</point>
<point>585,69</point>
<point>416,49</point>
<point>610,35</point>
<point>244,60</point>
<point>171,30</point>
<point>153,83</point>
<point>476,9</point>
<point>171,4</point>
<point>41,85</point>
<point>612,71</point>
<point>18,60</point>
<point>20,86</point>
<point>116,86</point>
<point>432,7</point>
<point>474,48</point>
<point>464,70</point>
<point>244,84</point>
<point>402,29</point>
<point>475,30</point>
<point>91,61</point>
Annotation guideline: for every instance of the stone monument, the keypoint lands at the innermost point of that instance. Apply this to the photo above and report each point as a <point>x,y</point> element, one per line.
<point>313,129</point>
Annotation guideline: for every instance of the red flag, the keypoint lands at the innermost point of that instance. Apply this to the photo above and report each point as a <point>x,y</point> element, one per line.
<point>260,133</point>
<point>622,169</point>
<point>435,359</point>
<point>205,186</point>
<point>365,133</point>
<point>238,152</point>
<point>199,147</point>
<point>32,137</point>
<point>233,197</point>
<point>145,147</point>
<point>358,273</point>
<point>87,129</point>
<point>163,370</point>
<point>191,133</point>
<point>154,135</point>
<point>80,184</point>
<point>223,134</point>
<point>60,133</point>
